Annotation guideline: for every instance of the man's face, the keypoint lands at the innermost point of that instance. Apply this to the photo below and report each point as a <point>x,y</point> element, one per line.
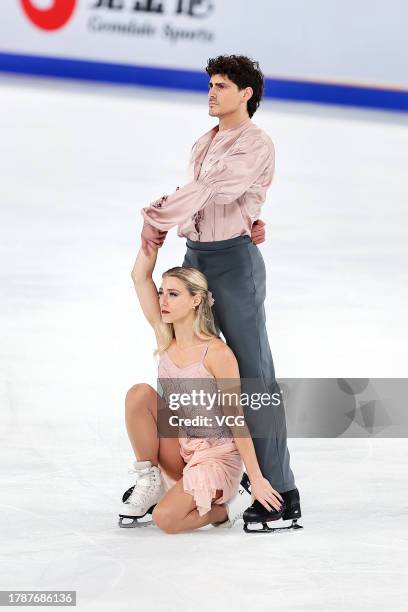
<point>224,97</point>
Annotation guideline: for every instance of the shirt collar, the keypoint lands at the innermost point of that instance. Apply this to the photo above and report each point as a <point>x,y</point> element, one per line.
<point>215,130</point>
<point>233,129</point>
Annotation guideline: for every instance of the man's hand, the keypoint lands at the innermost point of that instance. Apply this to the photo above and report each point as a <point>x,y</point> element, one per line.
<point>258,232</point>
<point>151,238</point>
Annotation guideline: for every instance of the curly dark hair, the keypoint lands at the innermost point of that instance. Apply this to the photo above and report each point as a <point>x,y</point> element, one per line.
<point>244,72</point>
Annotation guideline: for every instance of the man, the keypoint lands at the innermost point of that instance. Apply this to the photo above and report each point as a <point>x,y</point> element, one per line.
<point>217,211</point>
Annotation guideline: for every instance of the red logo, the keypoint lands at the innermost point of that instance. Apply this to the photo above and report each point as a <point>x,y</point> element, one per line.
<point>52,18</point>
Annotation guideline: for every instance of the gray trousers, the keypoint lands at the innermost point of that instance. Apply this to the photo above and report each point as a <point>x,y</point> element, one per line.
<point>236,276</point>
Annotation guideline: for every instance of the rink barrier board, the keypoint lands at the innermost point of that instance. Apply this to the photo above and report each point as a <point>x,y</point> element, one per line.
<point>189,80</point>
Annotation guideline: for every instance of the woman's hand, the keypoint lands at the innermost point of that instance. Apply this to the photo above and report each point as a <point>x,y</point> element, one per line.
<point>263,491</point>
<point>151,238</point>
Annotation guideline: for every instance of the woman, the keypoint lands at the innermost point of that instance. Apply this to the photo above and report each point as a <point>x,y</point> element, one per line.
<point>205,463</point>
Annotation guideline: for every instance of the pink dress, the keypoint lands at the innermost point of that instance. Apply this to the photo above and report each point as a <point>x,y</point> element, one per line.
<point>212,463</point>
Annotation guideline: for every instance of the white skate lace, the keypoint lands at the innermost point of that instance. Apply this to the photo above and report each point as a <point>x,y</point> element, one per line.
<point>144,479</point>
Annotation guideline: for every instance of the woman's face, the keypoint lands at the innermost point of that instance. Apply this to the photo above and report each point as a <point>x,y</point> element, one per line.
<point>176,303</point>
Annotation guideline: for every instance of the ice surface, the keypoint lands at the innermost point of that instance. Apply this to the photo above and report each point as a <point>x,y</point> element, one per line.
<point>77,164</point>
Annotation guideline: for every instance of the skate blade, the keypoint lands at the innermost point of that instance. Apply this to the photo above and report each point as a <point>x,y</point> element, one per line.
<point>267,529</point>
<point>134,522</point>
<point>137,521</point>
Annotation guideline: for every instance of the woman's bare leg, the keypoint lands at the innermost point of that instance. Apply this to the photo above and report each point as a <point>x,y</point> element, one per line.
<point>177,511</point>
<point>141,409</point>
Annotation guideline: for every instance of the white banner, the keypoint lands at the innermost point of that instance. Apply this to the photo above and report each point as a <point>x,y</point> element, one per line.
<point>357,42</point>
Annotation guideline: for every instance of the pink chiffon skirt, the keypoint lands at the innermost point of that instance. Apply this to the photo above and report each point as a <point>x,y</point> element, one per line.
<point>211,464</point>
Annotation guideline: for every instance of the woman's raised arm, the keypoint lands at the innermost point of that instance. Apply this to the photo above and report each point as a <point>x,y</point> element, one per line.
<point>145,287</point>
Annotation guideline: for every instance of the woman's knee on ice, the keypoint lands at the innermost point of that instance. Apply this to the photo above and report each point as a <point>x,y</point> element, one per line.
<point>165,519</point>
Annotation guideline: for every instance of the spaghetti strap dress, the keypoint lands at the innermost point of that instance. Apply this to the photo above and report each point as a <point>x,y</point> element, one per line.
<point>213,461</point>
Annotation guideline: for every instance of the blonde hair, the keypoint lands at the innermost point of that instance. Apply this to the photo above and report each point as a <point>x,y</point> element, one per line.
<point>204,326</point>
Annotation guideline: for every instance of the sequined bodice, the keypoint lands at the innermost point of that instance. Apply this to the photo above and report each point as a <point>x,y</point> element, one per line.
<point>200,385</point>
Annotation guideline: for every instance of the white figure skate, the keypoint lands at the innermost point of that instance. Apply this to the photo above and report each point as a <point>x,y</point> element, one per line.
<point>236,506</point>
<point>140,500</point>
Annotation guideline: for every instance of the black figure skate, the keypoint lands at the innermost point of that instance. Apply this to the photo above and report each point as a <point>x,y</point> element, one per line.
<point>257,513</point>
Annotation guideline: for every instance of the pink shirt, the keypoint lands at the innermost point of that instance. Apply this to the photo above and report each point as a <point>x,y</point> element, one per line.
<point>229,173</point>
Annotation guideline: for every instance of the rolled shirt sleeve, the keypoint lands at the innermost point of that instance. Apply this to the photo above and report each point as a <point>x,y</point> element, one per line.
<point>224,182</point>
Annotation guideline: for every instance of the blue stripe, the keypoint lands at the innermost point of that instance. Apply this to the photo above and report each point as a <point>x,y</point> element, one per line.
<point>283,89</point>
